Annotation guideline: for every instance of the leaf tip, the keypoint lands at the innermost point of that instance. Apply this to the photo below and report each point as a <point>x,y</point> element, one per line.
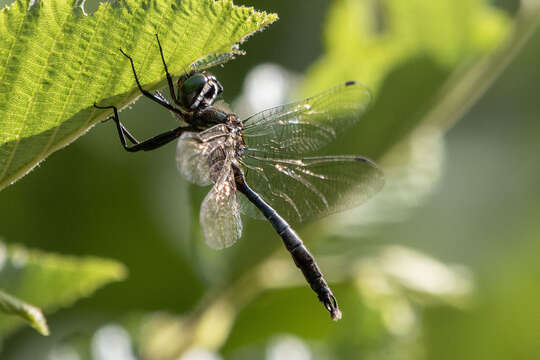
<point>37,320</point>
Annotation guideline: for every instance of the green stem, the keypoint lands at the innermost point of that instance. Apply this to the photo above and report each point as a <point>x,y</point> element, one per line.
<point>466,87</point>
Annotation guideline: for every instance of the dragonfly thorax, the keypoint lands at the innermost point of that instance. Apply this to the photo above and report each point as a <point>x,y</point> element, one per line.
<point>224,145</point>
<point>236,126</point>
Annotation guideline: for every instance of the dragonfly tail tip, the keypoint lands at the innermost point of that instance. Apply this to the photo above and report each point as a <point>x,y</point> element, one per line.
<point>336,314</point>
<point>333,308</point>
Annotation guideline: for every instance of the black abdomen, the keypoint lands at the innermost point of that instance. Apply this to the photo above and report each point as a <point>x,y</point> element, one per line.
<point>300,254</point>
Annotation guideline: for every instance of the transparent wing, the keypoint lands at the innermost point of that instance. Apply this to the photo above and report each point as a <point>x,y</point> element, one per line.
<point>220,217</point>
<point>195,153</point>
<point>307,125</point>
<point>203,159</point>
<point>311,187</point>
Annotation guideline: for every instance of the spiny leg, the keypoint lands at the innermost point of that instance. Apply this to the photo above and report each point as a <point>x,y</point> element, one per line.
<point>122,131</point>
<point>169,77</point>
<point>160,96</point>
<point>130,137</point>
<point>125,131</point>
<point>150,144</point>
<point>147,93</point>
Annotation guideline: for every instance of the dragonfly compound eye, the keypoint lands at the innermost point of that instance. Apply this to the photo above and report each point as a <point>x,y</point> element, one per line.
<point>198,91</point>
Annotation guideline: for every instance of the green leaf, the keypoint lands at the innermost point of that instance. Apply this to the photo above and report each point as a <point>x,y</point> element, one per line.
<point>11,305</point>
<point>48,281</point>
<point>55,62</point>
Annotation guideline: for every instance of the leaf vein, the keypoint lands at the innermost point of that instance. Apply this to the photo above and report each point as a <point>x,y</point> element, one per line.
<point>30,105</point>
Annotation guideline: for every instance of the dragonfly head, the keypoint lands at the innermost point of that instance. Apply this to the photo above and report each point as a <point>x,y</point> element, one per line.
<point>198,90</point>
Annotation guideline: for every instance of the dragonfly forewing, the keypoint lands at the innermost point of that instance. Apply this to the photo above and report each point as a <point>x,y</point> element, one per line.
<point>305,126</point>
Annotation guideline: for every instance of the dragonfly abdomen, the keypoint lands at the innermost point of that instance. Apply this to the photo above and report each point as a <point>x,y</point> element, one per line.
<point>300,254</point>
<point>306,263</point>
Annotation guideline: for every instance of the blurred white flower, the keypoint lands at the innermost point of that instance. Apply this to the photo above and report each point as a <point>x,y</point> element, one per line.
<point>63,352</point>
<point>200,354</point>
<point>288,347</point>
<point>265,86</point>
<point>112,342</point>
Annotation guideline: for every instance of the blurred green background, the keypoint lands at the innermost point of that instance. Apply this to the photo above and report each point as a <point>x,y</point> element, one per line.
<point>443,264</point>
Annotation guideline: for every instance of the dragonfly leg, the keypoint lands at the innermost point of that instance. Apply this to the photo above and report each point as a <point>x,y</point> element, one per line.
<point>169,77</point>
<point>150,144</point>
<point>147,93</point>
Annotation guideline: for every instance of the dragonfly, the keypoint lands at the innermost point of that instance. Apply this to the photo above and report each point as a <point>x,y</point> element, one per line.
<point>270,158</point>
